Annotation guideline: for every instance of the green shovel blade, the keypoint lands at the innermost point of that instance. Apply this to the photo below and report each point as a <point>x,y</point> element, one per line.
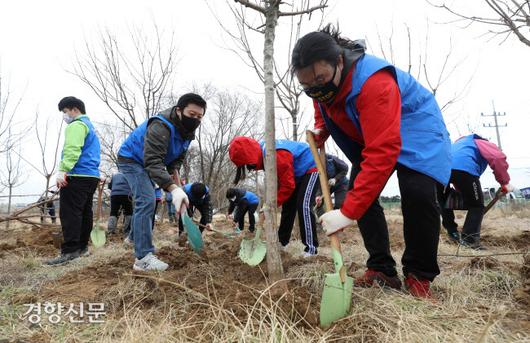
<point>253,251</point>
<point>194,234</point>
<point>97,236</point>
<point>336,297</point>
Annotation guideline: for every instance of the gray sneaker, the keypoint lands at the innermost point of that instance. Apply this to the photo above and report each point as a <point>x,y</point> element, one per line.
<point>84,252</point>
<point>63,258</point>
<point>149,262</point>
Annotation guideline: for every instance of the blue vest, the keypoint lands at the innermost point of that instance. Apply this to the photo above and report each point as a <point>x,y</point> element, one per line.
<point>467,157</point>
<point>88,162</point>
<point>251,198</point>
<point>425,143</point>
<point>133,147</point>
<point>120,185</point>
<point>194,201</point>
<point>302,157</point>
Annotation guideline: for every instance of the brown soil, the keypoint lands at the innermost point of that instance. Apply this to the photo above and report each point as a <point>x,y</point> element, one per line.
<point>521,241</point>
<point>37,240</point>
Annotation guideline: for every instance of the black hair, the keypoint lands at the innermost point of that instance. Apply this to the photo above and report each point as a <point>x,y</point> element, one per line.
<point>240,175</point>
<point>71,102</point>
<point>326,44</point>
<point>198,190</point>
<point>230,193</point>
<point>191,98</point>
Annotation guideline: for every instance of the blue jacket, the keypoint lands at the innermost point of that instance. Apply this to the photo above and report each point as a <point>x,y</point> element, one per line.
<point>195,201</point>
<point>302,157</point>
<point>467,157</point>
<point>88,162</point>
<point>426,147</point>
<point>118,185</point>
<point>133,147</point>
<point>251,198</point>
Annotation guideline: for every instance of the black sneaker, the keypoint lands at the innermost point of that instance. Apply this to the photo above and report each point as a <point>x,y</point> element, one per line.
<point>63,258</point>
<point>472,245</point>
<point>454,236</point>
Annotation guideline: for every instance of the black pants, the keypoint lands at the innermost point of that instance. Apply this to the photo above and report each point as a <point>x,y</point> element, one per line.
<point>339,191</point>
<point>76,212</point>
<point>301,201</point>
<point>421,226</point>
<point>469,186</point>
<point>120,203</point>
<point>51,213</point>
<point>191,210</point>
<point>239,215</point>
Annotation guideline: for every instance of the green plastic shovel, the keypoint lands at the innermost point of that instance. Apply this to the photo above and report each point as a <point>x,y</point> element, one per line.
<point>97,235</point>
<point>253,251</point>
<point>337,293</point>
<point>193,233</point>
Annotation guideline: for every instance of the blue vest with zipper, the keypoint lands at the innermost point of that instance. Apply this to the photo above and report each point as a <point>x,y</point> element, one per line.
<point>467,157</point>
<point>251,198</point>
<point>302,157</point>
<point>88,162</point>
<point>133,147</point>
<point>425,143</point>
<point>194,201</point>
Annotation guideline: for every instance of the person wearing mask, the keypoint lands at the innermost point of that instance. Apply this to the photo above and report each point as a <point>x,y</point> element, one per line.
<point>383,120</point>
<point>77,178</point>
<point>151,154</point>
<point>241,203</point>
<point>199,198</point>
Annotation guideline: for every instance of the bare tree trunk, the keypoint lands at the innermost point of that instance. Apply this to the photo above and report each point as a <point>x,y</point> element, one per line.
<point>294,117</point>
<point>274,261</point>
<point>9,204</point>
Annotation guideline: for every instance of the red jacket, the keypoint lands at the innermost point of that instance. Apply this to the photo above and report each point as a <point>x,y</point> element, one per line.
<point>245,150</point>
<point>379,106</point>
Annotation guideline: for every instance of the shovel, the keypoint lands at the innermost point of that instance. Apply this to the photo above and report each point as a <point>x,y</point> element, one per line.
<point>191,229</point>
<point>97,235</point>
<point>498,195</point>
<point>337,293</point>
<point>253,251</point>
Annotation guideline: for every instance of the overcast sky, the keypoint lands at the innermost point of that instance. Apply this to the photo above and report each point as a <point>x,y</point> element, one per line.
<point>39,41</point>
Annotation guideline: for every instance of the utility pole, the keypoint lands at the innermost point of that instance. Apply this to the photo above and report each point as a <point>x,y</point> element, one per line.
<point>496,123</point>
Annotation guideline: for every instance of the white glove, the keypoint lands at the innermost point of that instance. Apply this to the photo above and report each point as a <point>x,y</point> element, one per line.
<point>334,221</point>
<point>316,131</point>
<point>332,182</point>
<point>507,188</point>
<point>180,200</point>
<point>60,179</point>
<point>231,216</point>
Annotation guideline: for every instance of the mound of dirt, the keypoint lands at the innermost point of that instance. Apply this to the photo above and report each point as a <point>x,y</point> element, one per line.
<point>27,238</point>
<point>521,241</point>
<point>216,276</point>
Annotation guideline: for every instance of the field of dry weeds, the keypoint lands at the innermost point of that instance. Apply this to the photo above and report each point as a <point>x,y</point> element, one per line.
<point>481,296</point>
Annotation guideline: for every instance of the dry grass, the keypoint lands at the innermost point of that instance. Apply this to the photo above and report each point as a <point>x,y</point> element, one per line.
<point>476,299</point>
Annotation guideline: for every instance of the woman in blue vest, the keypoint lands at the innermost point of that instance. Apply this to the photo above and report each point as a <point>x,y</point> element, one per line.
<point>77,178</point>
<point>241,202</point>
<point>297,184</point>
<point>151,154</point>
<point>384,121</point>
<point>199,198</point>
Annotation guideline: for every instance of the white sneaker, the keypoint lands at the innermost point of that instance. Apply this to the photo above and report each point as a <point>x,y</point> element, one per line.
<point>149,262</point>
<point>308,254</point>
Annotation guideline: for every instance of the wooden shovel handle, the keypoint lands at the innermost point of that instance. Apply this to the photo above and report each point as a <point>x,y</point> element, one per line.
<point>498,195</point>
<point>335,243</point>
<point>101,185</point>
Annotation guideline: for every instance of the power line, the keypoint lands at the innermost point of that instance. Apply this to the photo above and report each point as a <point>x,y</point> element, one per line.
<point>496,123</point>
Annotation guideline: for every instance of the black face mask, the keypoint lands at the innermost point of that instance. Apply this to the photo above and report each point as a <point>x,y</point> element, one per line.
<point>189,123</point>
<point>323,93</point>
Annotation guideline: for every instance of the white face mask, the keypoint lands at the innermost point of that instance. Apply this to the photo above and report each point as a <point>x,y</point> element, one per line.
<point>67,119</point>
